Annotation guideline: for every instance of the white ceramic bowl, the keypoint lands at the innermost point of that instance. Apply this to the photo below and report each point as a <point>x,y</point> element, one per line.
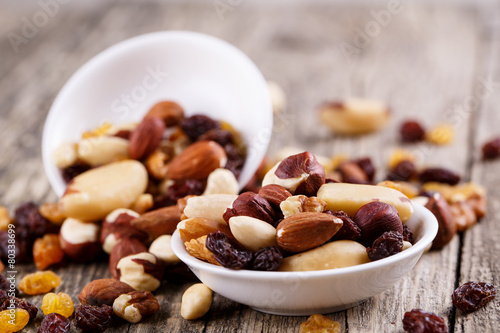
<point>306,293</point>
<point>202,73</point>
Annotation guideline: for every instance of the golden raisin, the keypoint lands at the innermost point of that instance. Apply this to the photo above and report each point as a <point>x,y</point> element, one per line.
<point>39,282</point>
<point>47,251</point>
<point>5,218</point>
<point>53,212</point>
<point>398,156</point>
<point>13,321</point>
<point>60,303</point>
<point>319,324</point>
<point>441,134</point>
<point>102,130</point>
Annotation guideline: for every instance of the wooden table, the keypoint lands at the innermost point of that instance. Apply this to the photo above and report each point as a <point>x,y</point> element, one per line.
<point>431,61</point>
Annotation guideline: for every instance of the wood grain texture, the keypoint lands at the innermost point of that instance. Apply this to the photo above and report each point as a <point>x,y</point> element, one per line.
<point>427,62</point>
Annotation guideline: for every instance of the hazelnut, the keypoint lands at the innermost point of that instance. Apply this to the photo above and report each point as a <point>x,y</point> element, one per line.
<point>352,173</point>
<point>250,204</point>
<point>170,112</point>
<point>116,225</point>
<point>124,248</point>
<point>142,271</point>
<point>162,249</point>
<point>155,223</point>
<point>135,305</point>
<point>274,194</point>
<point>447,226</point>
<point>374,219</point>
<point>103,291</point>
<point>80,240</point>
<point>299,174</point>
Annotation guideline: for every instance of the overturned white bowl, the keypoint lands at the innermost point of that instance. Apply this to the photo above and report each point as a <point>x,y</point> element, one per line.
<point>200,72</point>
<point>306,293</point>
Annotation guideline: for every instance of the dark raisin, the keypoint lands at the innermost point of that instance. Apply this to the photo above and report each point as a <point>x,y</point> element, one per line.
<point>218,135</point>
<point>54,323</point>
<point>23,247</point>
<point>408,234</point>
<point>250,204</point>
<point>197,125</point>
<point>6,286</point>
<point>235,159</point>
<point>267,259</point>
<point>390,243</point>
<point>403,171</point>
<point>473,295</point>
<point>367,166</point>
<point>349,229</point>
<point>179,189</point>
<point>412,131</point>
<point>419,321</point>
<point>439,175</point>
<point>3,295</point>
<point>19,303</point>
<point>91,318</point>
<point>491,149</point>
<point>28,216</point>
<point>74,170</point>
<point>226,253</point>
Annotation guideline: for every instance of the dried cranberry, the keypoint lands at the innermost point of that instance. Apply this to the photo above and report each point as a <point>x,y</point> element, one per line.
<point>473,295</point>
<point>390,243</point>
<point>349,229</point>
<point>403,171</point>
<point>491,149</point>
<point>367,166</point>
<point>197,125</point>
<point>179,189</point>
<point>408,234</point>
<point>218,135</point>
<point>91,318</point>
<point>226,253</point>
<point>74,170</point>
<point>411,131</point>
<point>19,303</point>
<point>54,323</point>
<point>439,175</point>
<point>267,259</point>
<point>419,321</point>
<point>28,216</point>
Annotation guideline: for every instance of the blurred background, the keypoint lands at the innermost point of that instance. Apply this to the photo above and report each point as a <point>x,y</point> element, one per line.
<point>425,59</point>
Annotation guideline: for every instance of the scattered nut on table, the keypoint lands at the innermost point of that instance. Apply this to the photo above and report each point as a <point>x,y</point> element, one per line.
<point>135,305</point>
<point>196,301</point>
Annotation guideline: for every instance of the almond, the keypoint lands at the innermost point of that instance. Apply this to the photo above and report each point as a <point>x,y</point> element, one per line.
<point>162,221</point>
<point>197,161</point>
<point>146,137</point>
<point>304,231</point>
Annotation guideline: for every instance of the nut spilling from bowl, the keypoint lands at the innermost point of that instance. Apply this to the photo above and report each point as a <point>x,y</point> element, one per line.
<point>297,222</point>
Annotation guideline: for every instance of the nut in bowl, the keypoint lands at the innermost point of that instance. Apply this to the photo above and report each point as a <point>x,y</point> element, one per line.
<point>309,292</point>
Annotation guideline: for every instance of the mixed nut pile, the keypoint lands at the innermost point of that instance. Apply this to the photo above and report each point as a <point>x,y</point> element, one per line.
<point>131,186</point>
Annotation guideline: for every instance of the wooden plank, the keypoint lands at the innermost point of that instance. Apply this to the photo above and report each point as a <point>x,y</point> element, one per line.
<point>480,244</point>
<point>422,63</point>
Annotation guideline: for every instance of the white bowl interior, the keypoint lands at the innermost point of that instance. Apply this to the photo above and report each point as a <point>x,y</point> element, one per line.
<point>202,73</point>
<point>306,293</point>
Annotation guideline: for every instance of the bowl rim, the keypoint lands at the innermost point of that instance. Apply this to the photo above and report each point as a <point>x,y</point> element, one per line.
<point>430,226</point>
<point>107,54</point>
